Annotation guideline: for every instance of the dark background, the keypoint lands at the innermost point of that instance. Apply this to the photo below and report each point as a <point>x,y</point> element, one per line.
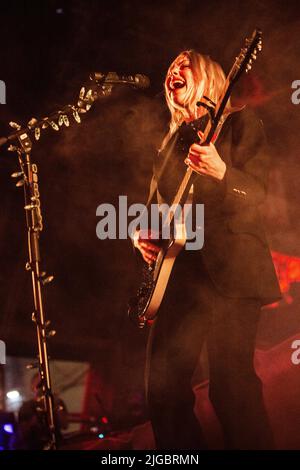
<point>48,49</point>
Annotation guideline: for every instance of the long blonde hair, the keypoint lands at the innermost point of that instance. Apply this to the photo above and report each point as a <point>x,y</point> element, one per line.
<point>209,80</point>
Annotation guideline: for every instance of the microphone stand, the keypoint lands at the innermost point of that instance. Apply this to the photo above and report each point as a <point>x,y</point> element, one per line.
<point>34,222</point>
<point>28,178</point>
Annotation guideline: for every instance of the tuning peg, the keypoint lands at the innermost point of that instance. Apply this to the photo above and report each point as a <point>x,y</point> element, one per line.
<point>60,120</point>
<point>15,125</point>
<point>20,183</point>
<point>37,133</point>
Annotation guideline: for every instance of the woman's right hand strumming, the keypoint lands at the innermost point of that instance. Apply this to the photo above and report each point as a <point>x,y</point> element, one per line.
<point>147,248</point>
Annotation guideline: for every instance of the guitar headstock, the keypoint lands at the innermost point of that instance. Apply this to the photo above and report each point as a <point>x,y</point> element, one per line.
<point>247,55</point>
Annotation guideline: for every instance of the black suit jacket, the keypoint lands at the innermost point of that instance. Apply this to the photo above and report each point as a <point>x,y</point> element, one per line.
<point>235,252</point>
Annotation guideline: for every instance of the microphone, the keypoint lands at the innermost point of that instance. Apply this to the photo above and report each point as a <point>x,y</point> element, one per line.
<point>137,81</point>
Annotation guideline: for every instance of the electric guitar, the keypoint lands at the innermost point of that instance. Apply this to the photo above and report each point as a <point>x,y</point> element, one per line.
<point>155,276</point>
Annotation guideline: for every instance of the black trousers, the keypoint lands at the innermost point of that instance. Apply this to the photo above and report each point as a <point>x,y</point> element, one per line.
<point>193,312</point>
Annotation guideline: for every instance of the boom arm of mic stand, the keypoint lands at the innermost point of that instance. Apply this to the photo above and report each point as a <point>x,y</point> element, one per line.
<point>60,117</point>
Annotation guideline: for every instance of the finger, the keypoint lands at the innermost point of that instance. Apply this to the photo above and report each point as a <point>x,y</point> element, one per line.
<point>149,255</point>
<point>200,135</point>
<point>197,168</point>
<point>189,162</point>
<point>149,258</point>
<point>148,235</point>
<point>196,161</point>
<point>196,148</point>
<point>193,153</point>
<point>198,157</point>
<point>150,247</point>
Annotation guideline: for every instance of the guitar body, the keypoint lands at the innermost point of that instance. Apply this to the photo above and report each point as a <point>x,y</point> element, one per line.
<point>155,278</point>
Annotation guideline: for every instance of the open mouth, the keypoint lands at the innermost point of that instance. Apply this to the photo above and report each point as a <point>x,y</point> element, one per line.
<point>176,84</point>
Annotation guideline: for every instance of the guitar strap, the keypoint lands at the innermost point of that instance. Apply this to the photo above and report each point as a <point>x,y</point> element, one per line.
<point>154,181</point>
